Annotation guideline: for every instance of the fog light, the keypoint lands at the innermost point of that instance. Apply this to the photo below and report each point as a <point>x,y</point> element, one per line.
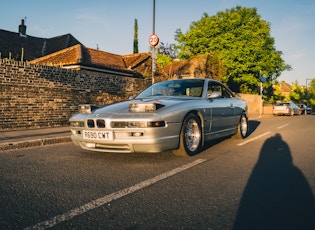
<point>137,134</point>
<point>90,145</point>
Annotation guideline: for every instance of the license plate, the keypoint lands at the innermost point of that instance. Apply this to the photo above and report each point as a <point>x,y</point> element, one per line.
<point>98,135</point>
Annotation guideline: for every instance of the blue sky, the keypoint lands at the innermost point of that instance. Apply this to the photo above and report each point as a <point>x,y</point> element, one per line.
<point>109,24</point>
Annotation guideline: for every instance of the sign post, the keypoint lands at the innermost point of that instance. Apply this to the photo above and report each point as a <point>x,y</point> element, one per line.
<point>153,41</point>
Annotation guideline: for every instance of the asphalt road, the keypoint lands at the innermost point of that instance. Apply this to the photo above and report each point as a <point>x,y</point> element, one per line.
<point>266,181</point>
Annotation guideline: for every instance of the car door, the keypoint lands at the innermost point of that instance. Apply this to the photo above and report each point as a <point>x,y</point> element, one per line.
<point>222,108</point>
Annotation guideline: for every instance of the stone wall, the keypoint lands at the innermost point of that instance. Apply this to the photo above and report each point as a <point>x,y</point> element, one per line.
<point>254,103</point>
<point>33,96</point>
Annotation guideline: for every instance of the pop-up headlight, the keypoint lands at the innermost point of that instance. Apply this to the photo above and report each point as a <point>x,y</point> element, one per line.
<point>87,108</point>
<point>144,107</point>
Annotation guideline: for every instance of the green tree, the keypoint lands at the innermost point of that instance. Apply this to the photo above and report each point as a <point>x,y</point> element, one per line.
<point>297,93</point>
<point>135,39</point>
<point>166,54</point>
<point>163,59</point>
<point>311,93</point>
<point>277,94</point>
<point>242,40</point>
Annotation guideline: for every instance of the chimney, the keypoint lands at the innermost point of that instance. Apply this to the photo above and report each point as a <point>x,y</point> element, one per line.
<point>22,29</point>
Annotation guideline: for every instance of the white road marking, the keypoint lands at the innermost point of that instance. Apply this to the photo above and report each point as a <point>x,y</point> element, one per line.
<point>111,197</point>
<point>252,139</point>
<point>280,127</point>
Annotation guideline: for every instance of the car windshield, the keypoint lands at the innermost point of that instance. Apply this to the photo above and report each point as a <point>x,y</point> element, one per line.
<point>186,88</point>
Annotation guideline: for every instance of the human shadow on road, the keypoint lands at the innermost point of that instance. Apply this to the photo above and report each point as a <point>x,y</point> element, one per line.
<point>277,195</point>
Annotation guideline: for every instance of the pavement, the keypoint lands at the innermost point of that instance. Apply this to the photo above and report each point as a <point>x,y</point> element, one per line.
<point>18,139</point>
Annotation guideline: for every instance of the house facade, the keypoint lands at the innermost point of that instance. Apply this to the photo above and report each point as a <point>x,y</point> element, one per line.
<point>65,51</point>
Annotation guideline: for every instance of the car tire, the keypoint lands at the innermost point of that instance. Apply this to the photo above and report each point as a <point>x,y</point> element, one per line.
<point>190,137</point>
<point>242,127</point>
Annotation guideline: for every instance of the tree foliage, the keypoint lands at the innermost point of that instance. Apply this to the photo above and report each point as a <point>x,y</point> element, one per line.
<point>166,54</point>
<point>135,39</point>
<point>311,93</point>
<point>297,94</point>
<point>276,95</point>
<point>163,59</point>
<point>242,40</point>
<point>167,50</point>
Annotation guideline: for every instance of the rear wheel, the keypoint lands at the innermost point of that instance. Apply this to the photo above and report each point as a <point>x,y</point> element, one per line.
<point>190,136</point>
<point>242,128</point>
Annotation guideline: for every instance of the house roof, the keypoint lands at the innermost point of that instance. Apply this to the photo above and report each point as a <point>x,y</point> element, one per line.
<point>285,87</point>
<point>68,52</point>
<point>34,47</point>
<point>80,55</point>
<point>84,58</point>
<point>177,68</point>
<point>134,60</point>
<point>139,62</point>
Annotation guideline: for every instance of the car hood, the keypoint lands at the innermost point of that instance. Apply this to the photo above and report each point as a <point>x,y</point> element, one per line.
<point>120,110</point>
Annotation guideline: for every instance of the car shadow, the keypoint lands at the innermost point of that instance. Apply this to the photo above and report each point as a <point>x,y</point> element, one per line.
<point>253,125</point>
<point>211,143</point>
<point>277,195</point>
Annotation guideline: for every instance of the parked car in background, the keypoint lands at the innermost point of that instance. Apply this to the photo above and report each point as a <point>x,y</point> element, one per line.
<point>286,108</point>
<point>178,115</point>
<point>303,108</point>
<point>308,110</point>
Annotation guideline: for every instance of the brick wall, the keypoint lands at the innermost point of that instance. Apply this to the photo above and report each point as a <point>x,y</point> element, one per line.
<point>33,96</point>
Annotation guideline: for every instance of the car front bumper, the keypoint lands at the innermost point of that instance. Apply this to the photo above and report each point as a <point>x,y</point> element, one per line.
<point>125,141</point>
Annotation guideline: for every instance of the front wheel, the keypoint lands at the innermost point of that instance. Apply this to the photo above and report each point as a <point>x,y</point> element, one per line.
<point>242,128</point>
<point>190,136</point>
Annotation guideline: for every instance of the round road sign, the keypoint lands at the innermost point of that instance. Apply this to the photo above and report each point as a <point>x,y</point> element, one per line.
<point>153,40</point>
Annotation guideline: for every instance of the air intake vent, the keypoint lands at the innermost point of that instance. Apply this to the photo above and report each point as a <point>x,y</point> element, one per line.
<point>90,123</point>
<point>100,123</point>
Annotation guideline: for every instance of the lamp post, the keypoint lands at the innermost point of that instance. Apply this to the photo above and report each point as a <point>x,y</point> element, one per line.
<point>153,47</point>
<point>262,79</point>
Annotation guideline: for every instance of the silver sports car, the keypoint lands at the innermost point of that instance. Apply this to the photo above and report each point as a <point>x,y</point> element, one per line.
<point>178,115</point>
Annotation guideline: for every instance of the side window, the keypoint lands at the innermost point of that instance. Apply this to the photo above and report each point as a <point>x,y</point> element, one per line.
<point>216,90</point>
<point>212,88</point>
<point>194,91</point>
<point>226,93</point>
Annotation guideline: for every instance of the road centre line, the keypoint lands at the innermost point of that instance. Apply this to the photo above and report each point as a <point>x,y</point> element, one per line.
<point>111,197</point>
<point>252,139</point>
<point>280,127</point>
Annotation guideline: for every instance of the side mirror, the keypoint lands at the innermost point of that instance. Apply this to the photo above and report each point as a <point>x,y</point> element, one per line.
<point>215,94</point>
